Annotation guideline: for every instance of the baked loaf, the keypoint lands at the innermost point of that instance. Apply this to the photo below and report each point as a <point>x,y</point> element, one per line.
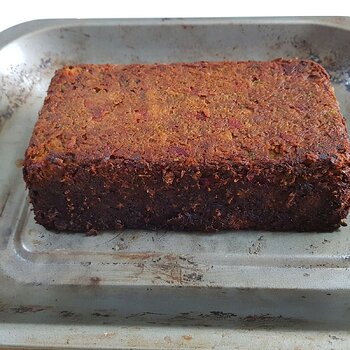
<point>190,146</point>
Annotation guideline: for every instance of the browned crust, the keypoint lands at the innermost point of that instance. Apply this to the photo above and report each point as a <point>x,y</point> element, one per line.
<point>199,146</point>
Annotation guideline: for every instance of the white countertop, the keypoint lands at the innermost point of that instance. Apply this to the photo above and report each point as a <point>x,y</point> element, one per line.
<point>17,11</point>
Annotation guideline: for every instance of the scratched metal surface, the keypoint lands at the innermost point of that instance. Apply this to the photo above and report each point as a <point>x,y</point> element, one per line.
<point>136,289</point>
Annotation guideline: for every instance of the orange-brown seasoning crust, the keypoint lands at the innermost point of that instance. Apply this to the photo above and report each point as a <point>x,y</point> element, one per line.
<point>190,146</point>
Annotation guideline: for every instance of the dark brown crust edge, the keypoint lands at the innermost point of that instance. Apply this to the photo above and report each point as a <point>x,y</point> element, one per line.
<point>116,195</point>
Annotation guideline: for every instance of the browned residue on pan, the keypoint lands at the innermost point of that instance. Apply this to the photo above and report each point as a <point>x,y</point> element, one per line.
<point>29,308</point>
<point>170,268</point>
<point>137,256</point>
<point>95,281</point>
<point>19,163</point>
<point>186,337</point>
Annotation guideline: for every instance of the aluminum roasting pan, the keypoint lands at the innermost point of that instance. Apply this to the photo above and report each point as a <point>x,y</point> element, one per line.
<point>156,290</point>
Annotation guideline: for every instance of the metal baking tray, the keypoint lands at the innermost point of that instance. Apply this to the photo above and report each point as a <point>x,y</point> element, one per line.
<point>156,290</point>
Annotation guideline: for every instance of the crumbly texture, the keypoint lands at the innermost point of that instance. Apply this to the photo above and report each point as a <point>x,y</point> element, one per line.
<point>190,146</point>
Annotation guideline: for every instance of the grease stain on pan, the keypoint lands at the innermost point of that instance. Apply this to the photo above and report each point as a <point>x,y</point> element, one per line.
<point>29,309</point>
<point>99,314</point>
<point>67,314</point>
<point>175,269</point>
<point>220,319</point>
<point>17,80</point>
<point>339,72</point>
<point>95,281</point>
<point>170,268</point>
<point>257,246</point>
<point>187,337</point>
<point>15,89</point>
